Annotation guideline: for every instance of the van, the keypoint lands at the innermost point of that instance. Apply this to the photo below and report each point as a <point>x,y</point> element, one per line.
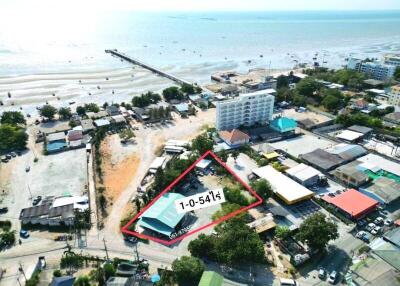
<point>288,282</point>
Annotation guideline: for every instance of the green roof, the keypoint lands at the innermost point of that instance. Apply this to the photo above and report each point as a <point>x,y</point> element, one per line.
<point>211,278</point>
<point>283,124</point>
<point>162,216</point>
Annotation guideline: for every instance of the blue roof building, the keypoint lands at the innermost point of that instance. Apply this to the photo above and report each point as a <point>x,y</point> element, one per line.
<point>162,216</point>
<point>283,124</point>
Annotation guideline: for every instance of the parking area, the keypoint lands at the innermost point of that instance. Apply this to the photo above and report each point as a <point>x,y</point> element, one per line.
<point>52,175</point>
<point>302,144</point>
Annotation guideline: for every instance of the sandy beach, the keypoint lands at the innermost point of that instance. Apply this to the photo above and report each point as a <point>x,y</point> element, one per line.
<point>113,85</point>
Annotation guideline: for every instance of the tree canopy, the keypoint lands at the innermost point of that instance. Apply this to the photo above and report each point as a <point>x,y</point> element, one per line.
<point>263,188</point>
<point>146,99</point>
<point>92,107</point>
<point>202,143</point>
<point>316,231</point>
<point>188,270</point>
<point>12,117</point>
<point>234,243</point>
<point>12,137</point>
<point>360,119</point>
<point>65,113</point>
<point>171,93</point>
<point>48,111</point>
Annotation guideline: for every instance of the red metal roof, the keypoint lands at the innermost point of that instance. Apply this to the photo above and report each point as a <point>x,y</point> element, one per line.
<point>352,202</point>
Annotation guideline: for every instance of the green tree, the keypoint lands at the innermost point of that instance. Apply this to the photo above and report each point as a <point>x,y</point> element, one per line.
<point>235,154</point>
<point>226,209</point>
<point>171,93</point>
<point>81,110</point>
<point>65,113</point>
<point>202,143</point>
<point>282,232</point>
<point>7,238</point>
<point>236,243</point>
<point>331,102</point>
<point>48,111</point>
<point>12,118</point>
<point>263,188</point>
<point>92,107</point>
<point>57,273</point>
<point>202,246</point>
<point>188,89</point>
<point>316,231</point>
<point>282,81</point>
<point>109,271</point>
<point>307,87</point>
<point>82,281</point>
<point>187,270</point>
<point>12,137</point>
<point>299,100</point>
<point>234,195</point>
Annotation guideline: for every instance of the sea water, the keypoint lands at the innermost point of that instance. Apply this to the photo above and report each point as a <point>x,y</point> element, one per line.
<point>276,40</point>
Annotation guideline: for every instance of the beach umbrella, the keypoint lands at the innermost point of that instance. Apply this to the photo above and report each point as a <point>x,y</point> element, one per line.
<point>155,278</point>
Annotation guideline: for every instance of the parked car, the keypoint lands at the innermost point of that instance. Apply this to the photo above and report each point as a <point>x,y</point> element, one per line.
<point>376,230</point>
<point>13,154</point>
<point>332,277</point>
<point>322,273</point>
<point>288,282</point>
<point>370,227</point>
<point>27,169</point>
<point>36,200</point>
<point>131,239</point>
<point>388,222</point>
<point>3,210</point>
<point>362,222</point>
<point>42,262</point>
<point>378,220</point>
<point>23,233</point>
<point>360,234</point>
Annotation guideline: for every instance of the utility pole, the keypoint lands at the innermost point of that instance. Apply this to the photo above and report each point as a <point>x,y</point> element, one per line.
<point>19,282</point>
<point>21,269</point>
<point>137,253</point>
<point>105,248</point>
<point>30,193</point>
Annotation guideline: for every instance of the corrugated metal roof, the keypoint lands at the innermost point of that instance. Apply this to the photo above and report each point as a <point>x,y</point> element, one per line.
<point>211,278</point>
<point>162,215</point>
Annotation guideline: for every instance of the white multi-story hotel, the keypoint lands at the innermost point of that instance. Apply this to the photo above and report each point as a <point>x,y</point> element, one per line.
<point>392,59</point>
<point>375,70</point>
<point>245,110</point>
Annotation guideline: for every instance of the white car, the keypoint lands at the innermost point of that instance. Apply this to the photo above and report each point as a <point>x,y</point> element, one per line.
<point>360,234</point>
<point>332,277</point>
<point>370,226</point>
<point>376,230</point>
<point>378,220</point>
<point>388,222</point>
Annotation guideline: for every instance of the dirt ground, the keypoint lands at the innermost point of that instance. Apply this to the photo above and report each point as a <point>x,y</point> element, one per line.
<point>119,166</point>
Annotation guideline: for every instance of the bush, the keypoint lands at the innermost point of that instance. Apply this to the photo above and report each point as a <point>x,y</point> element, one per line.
<point>57,273</point>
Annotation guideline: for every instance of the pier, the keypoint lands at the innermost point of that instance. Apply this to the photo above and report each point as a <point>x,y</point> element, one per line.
<point>148,67</point>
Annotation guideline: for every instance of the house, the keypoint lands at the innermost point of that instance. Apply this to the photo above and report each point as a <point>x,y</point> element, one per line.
<point>162,218</point>
<point>74,135</point>
<point>351,174</point>
<point>157,163</point>
<point>361,129</point>
<point>305,175</point>
<point>112,110</point>
<point>352,203</point>
<point>97,115</point>
<point>87,125</point>
<point>283,124</point>
<point>118,119</point>
<point>182,108</point>
<point>349,136</point>
<point>101,122</point>
<point>54,211</point>
<point>284,187</point>
<point>383,189</point>
<point>140,114</point>
<point>234,138</point>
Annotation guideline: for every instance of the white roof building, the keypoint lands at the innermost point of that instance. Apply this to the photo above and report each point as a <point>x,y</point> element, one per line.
<point>349,136</point>
<point>157,163</point>
<point>203,164</point>
<point>304,174</point>
<point>101,122</point>
<point>381,163</point>
<point>287,189</point>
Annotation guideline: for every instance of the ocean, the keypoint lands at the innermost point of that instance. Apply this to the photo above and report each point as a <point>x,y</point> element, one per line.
<point>243,40</point>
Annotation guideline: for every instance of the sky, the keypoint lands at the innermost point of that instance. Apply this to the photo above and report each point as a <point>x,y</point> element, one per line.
<point>196,5</point>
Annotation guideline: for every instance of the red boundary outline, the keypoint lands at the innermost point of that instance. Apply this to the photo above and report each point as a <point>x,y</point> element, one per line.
<point>125,229</point>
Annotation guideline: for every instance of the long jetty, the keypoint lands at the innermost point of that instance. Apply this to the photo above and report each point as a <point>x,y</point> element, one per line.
<point>146,66</point>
